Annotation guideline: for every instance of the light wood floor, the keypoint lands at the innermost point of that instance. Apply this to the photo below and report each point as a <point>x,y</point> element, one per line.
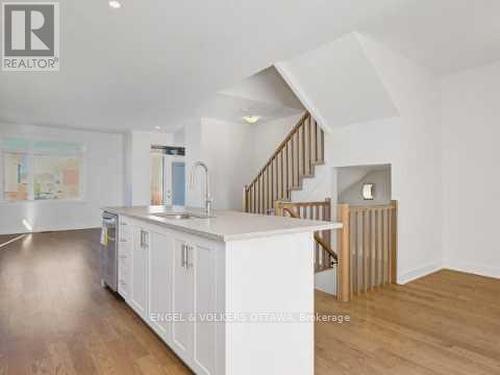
<point>56,319</point>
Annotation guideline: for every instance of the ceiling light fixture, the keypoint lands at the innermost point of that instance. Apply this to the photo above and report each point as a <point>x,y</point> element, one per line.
<point>115,4</point>
<point>157,128</point>
<point>251,119</point>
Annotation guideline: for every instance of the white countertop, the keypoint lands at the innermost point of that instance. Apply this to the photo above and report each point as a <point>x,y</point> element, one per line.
<point>226,225</point>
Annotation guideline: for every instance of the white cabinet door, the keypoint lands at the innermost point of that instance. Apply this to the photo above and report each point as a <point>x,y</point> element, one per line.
<point>182,301</point>
<point>161,255</point>
<point>205,297</point>
<point>139,274</point>
<point>194,295</point>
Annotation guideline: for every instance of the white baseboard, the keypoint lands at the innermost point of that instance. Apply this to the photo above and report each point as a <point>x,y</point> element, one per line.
<point>58,228</point>
<point>481,270</point>
<point>417,273</point>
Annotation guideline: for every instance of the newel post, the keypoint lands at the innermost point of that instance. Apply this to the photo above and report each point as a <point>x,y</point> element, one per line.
<point>343,269</point>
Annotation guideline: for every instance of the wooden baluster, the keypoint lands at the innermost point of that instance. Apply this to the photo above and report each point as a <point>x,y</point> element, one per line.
<point>271,187</point>
<point>354,245</point>
<point>275,180</point>
<point>296,163</point>
<point>366,250</point>
<point>289,176</point>
<point>343,269</point>
<point>292,162</point>
<point>386,246</point>
<point>314,142</point>
<point>278,178</point>
<point>282,185</point>
<point>315,216</point>
<point>264,189</point>
<point>261,190</point>
<point>258,194</point>
<point>373,256</point>
<point>379,248</point>
<point>394,237</point>
<point>251,198</point>
<point>321,146</point>
<point>289,163</point>
<point>261,193</point>
<point>359,249</point>
<point>389,245</point>
<point>246,200</point>
<point>327,216</point>
<point>307,147</point>
<point>271,166</point>
<point>268,194</point>
<point>305,170</point>
<point>301,152</point>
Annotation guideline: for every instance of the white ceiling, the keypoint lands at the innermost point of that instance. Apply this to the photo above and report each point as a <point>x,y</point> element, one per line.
<point>232,109</point>
<point>444,35</point>
<point>151,62</point>
<point>264,94</point>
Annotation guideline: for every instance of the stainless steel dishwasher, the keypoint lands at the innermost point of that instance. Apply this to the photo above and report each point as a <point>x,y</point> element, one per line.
<point>109,251</point>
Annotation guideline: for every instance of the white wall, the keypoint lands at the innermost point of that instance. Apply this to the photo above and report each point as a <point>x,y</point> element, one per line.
<point>103,177</point>
<point>471,154</point>
<point>226,148</point>
<point>234,152</point>
<point>409,142</point>
<point>413,148</point>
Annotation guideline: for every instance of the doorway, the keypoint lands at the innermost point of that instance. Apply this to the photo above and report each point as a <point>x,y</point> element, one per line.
<point>168,176</point>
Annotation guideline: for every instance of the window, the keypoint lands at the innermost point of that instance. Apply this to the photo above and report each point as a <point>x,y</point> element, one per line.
<point>15,176</point>
<point>41,170</point>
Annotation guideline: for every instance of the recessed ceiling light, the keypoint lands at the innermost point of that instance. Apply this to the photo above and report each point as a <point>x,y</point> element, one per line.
<point>157,128</point>
<point>115,4</point>
<point>251,119</point>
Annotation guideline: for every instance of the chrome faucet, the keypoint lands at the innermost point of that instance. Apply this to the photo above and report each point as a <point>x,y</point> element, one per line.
<point>208,198</point>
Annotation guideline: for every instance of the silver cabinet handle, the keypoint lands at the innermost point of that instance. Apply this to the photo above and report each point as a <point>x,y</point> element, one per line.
<point>189,249</point>
<point>183,256</point>
<point>144,239</point>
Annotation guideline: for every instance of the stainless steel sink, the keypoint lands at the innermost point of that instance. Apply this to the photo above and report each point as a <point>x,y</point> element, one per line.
<point>180,215</point>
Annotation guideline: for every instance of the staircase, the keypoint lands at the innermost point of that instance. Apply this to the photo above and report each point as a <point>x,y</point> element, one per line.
<point>367,244</point>
<point>270,192</point>
<point>294,159</point>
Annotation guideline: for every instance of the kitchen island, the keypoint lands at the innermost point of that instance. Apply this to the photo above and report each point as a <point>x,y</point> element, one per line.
<point>229,294</point>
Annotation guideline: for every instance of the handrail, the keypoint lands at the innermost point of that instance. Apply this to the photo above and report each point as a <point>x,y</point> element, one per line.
<point>293,160</point>
<point>317,238</point>
<point>283,143</point>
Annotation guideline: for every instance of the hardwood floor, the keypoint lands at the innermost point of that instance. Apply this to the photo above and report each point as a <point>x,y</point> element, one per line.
<point>56,319</point>
<point>446,323</point>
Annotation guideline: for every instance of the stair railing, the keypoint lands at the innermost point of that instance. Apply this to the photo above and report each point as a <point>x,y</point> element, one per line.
<point>324,257</point>
<point>367,248</point>
<point>366,245</point>
<point>293,160</point>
